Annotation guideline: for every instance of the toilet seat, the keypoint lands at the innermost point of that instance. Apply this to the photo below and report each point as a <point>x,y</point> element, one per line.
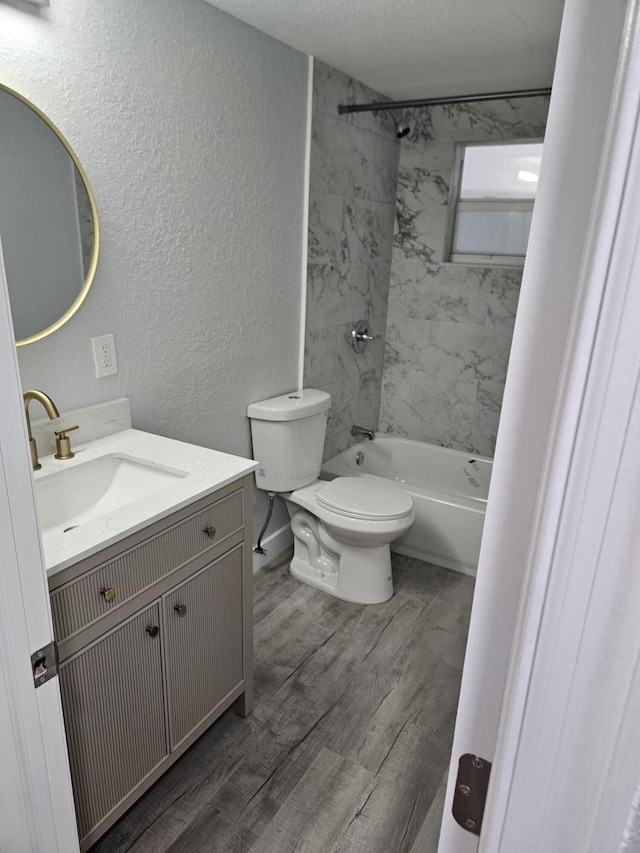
<point>359,497</point>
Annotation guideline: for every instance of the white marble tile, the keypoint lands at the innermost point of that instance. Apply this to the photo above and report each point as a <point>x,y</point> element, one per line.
<point>377,296</point>
<point>328,299</point>
<point>454,426</point>
<point>347,292</point>
<point>354,158</point>
<point>448,326</point>
<point>332,88</point>
<point>342,159</point>
<point>342,415</point>
<point>503,298</point>
<point>512,119</point>
<point>369,398</point>
<point>326,227</point>
<point>475,353</point>
<point>351,162</point>
<point>368,231</point>
<point>401,420</point>
<point>490,394</point>
<point>384,170</point>
<point>321,363</point>
<point>448,293</point>
<point>442,382</point>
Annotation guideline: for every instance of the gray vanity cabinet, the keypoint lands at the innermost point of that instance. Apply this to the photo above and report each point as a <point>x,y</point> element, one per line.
<point>155,642</point>
<point>203,637</point>
<point>114,716</point>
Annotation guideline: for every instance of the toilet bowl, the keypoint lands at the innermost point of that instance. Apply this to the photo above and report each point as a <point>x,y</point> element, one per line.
<point>341,528</point>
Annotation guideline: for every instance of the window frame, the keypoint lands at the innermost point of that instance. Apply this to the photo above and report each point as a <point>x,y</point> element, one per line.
<point>455,204</point>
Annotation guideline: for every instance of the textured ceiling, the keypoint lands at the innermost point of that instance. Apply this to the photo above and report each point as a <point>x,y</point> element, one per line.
<point>418,48</point>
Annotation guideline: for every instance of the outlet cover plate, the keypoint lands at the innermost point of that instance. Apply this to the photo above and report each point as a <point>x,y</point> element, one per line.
<point>104,355</point>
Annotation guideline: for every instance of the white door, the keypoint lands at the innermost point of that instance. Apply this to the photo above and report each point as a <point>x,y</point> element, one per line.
<point>36,800</point>
<point>552,434</point>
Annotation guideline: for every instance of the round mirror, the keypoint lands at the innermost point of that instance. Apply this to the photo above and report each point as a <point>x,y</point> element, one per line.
<point>48,220</point>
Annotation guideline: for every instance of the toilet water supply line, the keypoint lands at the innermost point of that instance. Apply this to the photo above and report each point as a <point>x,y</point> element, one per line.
<point>258,547</point>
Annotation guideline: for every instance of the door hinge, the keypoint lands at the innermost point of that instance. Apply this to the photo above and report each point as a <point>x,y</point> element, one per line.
<point>470,795</point>
<point>44,663</point>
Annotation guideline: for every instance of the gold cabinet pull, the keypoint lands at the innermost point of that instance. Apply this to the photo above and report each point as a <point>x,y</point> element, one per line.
<point>108,593</point>
<point>180,609</point>
<point>152,630</point>
<point>210,531</point>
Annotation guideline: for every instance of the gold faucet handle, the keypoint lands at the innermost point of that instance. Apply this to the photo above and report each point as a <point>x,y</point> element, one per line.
<point>63,443</point>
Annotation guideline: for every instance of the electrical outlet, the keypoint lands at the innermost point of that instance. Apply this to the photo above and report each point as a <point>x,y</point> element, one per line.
<point>104,355</point>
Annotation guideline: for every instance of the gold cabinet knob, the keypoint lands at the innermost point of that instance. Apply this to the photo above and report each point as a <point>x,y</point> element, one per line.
<point>108,593</point>
<point>152,630</point>
<point>210,531</point>
<point>180,609</point>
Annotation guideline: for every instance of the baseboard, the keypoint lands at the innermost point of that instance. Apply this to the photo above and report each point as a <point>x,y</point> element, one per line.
<point>273,545</point>
<point>434,559</point>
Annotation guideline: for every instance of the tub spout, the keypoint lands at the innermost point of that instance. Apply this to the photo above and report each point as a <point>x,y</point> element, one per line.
<point>358,430</point>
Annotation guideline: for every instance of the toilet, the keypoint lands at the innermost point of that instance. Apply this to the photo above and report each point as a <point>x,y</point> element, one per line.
<point>342,528</point>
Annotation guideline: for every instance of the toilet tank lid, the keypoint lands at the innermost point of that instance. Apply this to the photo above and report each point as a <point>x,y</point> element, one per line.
<point>291,407</point>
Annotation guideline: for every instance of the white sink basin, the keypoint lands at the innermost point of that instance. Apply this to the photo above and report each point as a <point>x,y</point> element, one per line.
<point>119,484</point>
<point>69,498</point>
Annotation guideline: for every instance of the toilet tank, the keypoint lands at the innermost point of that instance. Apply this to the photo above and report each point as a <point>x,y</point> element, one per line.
<point>288,438</point>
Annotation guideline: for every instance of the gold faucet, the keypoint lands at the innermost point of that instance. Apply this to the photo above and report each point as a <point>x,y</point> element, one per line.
<point>51,410</point>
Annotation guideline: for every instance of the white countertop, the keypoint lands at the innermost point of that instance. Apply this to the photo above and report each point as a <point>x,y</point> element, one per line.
<point>205,471</point>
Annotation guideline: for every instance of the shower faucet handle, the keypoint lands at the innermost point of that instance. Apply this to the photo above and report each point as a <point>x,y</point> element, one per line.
<point>360,336</point>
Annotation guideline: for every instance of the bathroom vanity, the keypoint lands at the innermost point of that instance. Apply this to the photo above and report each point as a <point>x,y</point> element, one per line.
<point>152,614</point>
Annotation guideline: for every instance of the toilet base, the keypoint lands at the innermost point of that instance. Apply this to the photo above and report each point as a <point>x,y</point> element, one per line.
<point>357,574</point>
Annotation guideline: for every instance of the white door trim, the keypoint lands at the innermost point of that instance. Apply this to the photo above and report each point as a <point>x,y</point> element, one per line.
<point>568,756</point>
<point>549,539</point>
<point>35,785</point>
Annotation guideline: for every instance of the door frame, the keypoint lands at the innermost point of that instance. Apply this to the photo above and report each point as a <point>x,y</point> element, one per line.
<point>561,520</point>
<point>568,755</point>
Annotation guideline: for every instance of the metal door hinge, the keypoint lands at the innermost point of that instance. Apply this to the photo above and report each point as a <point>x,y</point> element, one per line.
<point>44,663</point>
<point>471,792</point>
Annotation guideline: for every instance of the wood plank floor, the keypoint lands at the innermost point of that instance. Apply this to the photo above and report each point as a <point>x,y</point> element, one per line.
<point>348,746</point>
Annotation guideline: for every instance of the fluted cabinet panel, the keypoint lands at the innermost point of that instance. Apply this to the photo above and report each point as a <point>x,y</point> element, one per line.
<point>203,631</point>
<point>114,716</point>
<point>77,604</point>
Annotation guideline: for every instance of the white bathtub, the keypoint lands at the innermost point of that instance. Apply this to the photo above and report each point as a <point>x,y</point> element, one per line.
<point>449,490</point>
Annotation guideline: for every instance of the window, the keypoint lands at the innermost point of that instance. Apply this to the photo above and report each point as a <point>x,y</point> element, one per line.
<point>492,195</point>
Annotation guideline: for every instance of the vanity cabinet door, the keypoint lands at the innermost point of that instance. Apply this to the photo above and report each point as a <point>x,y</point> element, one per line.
<point>114,715</point>
<point>203,641</point>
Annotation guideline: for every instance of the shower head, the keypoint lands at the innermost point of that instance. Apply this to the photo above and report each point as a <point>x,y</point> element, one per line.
<point>402,129</point>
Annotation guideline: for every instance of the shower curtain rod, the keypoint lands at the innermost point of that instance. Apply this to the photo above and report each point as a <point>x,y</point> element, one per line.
<point>431,102</point>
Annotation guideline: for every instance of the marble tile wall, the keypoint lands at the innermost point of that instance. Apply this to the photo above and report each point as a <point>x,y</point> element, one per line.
<point>354,167</point>
<point>449,327</point>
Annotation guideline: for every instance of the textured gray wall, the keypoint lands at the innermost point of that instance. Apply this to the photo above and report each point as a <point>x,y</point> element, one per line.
<point>449,326</point>
<point>354,167</point>
<point>191,128</point>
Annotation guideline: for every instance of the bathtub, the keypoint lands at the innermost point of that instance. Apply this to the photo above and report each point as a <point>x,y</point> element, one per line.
<point>449,490</point>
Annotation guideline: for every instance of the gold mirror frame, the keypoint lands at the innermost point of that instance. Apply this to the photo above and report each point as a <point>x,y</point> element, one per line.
<point>96,227</point>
